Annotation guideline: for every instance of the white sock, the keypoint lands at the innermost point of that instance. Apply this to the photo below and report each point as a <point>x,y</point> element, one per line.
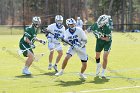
<point>103,72</point>
<point>81,73</point>
<point>98,64</point>
<point>62,70</point>
<point>50,63</point>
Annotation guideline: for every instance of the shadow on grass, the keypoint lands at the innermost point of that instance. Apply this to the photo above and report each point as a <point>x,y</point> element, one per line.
<point>70,83</point>
<point>24,76</point>
<point>98,80</point>
<point>49,73</point>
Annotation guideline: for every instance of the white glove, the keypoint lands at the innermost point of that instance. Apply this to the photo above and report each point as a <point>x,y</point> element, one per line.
<point>43,42</point>
<point>77,46</point>
<point>49,39</point>
<point>32,46</point>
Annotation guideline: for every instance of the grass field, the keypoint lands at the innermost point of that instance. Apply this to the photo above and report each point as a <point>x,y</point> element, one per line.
<point>123,70</point>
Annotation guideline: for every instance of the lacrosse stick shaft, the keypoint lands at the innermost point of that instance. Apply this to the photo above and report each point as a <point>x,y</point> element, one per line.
<point>62,40</point>
<point>28,49</point>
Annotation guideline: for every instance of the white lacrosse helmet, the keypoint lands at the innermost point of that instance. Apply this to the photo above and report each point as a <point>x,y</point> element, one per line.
<point>59,20</point>
<point>36,21</point>
<point>78,18</point>
<point>70,21</point>
<point>102,20</point>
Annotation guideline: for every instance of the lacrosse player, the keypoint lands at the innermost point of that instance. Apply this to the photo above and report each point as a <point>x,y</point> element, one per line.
<point>102,31</point>
<point>57,29</point>
<point>79,22</point>
<point>27,43</point>
<point>77,39</point>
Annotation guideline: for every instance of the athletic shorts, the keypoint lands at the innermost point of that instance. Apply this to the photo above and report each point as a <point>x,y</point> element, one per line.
<point>24,46</point>
<point>56,46</point>
<point>101,44</point>
<point>82,53</point>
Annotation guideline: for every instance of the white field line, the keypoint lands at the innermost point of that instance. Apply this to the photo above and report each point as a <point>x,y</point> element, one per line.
<point>125,70</point>
<point>106,89</point>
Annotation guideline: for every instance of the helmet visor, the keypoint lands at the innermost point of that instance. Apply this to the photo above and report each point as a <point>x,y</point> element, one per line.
<point>59,21</point>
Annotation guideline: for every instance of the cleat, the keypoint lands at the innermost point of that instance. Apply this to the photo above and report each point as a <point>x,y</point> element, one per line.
<point>103,77</point>
<point>55,68</point>
<point>82,76</point>
<point>98,69</point>
<point>59,73</point>
<point>26,72</point>
<point>50,67</point>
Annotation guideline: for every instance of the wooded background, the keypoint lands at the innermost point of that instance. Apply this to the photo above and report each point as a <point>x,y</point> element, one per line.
<point>20,12</point>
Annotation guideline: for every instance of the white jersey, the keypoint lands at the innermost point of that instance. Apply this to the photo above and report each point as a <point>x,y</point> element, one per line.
<point>79,23</point>
<point>77,36</point>
<point>58,32</point>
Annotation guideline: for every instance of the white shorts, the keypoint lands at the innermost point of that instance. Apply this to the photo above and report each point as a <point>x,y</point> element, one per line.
<point>82,53</point>
<point>56,46</point>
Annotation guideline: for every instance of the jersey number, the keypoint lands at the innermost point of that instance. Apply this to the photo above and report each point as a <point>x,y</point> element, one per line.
<point>56,35</point>
<point>73,41</point>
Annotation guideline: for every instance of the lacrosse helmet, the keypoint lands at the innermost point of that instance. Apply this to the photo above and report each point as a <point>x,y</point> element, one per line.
<point>71,23</point>
<point>103,20</point>
<point>59,21</point>
<point>36,21</point>
<point>78,18</point>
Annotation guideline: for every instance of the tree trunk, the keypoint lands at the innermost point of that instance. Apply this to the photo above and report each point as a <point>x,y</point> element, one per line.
<point>110,7</point>
<point>122,15</point>
<point>130,14</point>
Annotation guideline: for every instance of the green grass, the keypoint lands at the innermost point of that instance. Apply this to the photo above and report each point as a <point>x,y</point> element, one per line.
<point>123,69</point>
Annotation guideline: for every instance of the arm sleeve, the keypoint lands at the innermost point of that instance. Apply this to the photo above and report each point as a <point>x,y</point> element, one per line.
<point>63,32</point>
<point>27,33</point>
<point>50,29</point>
<point>108,32</point>
<point>95,29</point>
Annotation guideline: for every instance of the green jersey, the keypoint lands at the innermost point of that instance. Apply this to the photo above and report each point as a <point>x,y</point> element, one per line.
<point>105,31</point>
<point>30,33</point>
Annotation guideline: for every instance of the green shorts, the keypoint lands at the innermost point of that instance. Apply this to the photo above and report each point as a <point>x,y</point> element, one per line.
<point>101,44</point>
<point>24,46</point>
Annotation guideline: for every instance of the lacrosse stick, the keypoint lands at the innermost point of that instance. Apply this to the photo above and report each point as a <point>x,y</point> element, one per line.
<point>36,57</point>
<point>62,40</point>
<point>22,51</point>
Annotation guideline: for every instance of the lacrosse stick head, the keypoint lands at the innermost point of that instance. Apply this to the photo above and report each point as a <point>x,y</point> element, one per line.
<point>37,57</point>
<point>20,52</point>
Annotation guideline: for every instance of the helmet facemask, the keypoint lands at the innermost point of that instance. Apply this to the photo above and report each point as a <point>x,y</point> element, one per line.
<point>59,21</point>
<point>71,24</point>
<point>102,20</point>
<point>72,27</point>
<point>36,21</point>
